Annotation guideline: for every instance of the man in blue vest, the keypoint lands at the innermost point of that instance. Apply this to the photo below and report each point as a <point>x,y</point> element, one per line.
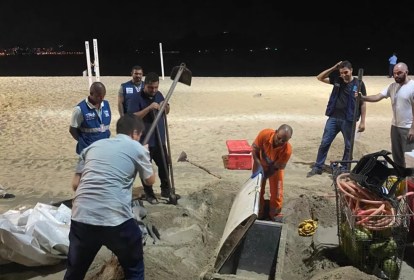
<point>91,118</point>
<point>340,111</point>
<point>130,88</point>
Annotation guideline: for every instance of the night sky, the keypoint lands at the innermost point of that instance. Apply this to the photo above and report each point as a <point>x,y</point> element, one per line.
<point>312,23</point>
<point>321,28</point>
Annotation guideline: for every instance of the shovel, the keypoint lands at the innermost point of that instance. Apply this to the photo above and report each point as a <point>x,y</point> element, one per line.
<point>183,157</point>
<point>166,160</point>
<point>360,74</point>
<point>179,74</point>
<point>173,197</point>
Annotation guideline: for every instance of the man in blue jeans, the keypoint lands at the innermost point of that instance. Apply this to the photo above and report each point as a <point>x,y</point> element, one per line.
<point>340,111</point>
<point>102,213</point>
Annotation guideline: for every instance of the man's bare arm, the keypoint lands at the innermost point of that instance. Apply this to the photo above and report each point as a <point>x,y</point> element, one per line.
<point>74,132</point>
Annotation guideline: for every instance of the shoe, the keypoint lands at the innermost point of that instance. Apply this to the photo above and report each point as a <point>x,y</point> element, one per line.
<point>314,171</point>
<point>149,195</point>
<point>278,218</point>
<point>165,192</point>
<point>151,199</point>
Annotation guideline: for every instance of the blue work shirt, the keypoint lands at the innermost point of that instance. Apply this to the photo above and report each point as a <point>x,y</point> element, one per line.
<point>140,101</point>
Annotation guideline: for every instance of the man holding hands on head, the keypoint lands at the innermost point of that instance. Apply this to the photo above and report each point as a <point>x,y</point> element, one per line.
<point>340,111</point>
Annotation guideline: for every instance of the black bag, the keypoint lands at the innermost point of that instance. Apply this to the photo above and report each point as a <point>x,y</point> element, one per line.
<point>371,173</point>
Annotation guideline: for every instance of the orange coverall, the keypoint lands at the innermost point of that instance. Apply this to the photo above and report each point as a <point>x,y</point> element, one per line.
<point>281,155</point>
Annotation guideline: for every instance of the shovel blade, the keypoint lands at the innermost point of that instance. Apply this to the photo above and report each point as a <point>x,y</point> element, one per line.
<point>182,157</point>
<point>185,74</point>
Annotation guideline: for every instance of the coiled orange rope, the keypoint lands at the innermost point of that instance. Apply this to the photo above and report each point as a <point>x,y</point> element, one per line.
<point>369,210</point>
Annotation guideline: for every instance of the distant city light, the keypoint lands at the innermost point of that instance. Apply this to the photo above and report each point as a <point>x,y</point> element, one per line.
<point>37,51</point>
<point>172,52</point>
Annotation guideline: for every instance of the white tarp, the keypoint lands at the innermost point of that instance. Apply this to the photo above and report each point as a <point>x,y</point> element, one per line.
<point>35,237</point>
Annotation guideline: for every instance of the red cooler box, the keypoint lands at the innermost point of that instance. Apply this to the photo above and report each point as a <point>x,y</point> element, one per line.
<point>238,147</point>
<point>240,155</point>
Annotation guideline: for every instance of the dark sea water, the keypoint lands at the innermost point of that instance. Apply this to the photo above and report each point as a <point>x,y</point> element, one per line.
<point>263,64</point>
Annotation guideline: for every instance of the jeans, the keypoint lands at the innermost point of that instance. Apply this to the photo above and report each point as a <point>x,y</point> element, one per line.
<point>332,127</point>
<point>391,70</point>
<point>124,240</point>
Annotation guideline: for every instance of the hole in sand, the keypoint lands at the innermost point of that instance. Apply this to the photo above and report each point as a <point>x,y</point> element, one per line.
<point>191,231</point>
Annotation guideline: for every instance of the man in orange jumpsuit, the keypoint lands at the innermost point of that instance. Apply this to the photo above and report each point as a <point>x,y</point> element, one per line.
<point>271,152</point>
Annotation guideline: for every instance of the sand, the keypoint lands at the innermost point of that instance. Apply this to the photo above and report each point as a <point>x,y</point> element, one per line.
<point>37,159</point>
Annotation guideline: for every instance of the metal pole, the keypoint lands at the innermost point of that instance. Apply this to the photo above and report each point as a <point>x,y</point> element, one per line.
<point>162,62</point>
<point>88,62</point>
<point>96,59</point>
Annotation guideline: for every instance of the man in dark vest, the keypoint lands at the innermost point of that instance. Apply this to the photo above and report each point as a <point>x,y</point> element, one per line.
<point>340,111</point>
<point>146,105</point>
<point>128,89</point>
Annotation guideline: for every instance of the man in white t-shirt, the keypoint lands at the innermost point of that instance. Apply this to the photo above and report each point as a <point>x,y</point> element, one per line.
<point>401,94</point>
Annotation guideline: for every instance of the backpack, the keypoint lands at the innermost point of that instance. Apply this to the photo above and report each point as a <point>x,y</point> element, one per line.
<point>372,173</point>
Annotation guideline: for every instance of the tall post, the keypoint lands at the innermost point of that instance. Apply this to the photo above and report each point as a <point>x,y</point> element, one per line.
<point>88,62</point>
<point>96,59</point>
<point>162,62</point>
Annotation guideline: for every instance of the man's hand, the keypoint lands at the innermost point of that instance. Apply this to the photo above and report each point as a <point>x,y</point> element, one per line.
<point>337,65</point>
<point>76,181</point>
<point>410,135</point>
<point>259,169</point>
<point>154,106</point>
